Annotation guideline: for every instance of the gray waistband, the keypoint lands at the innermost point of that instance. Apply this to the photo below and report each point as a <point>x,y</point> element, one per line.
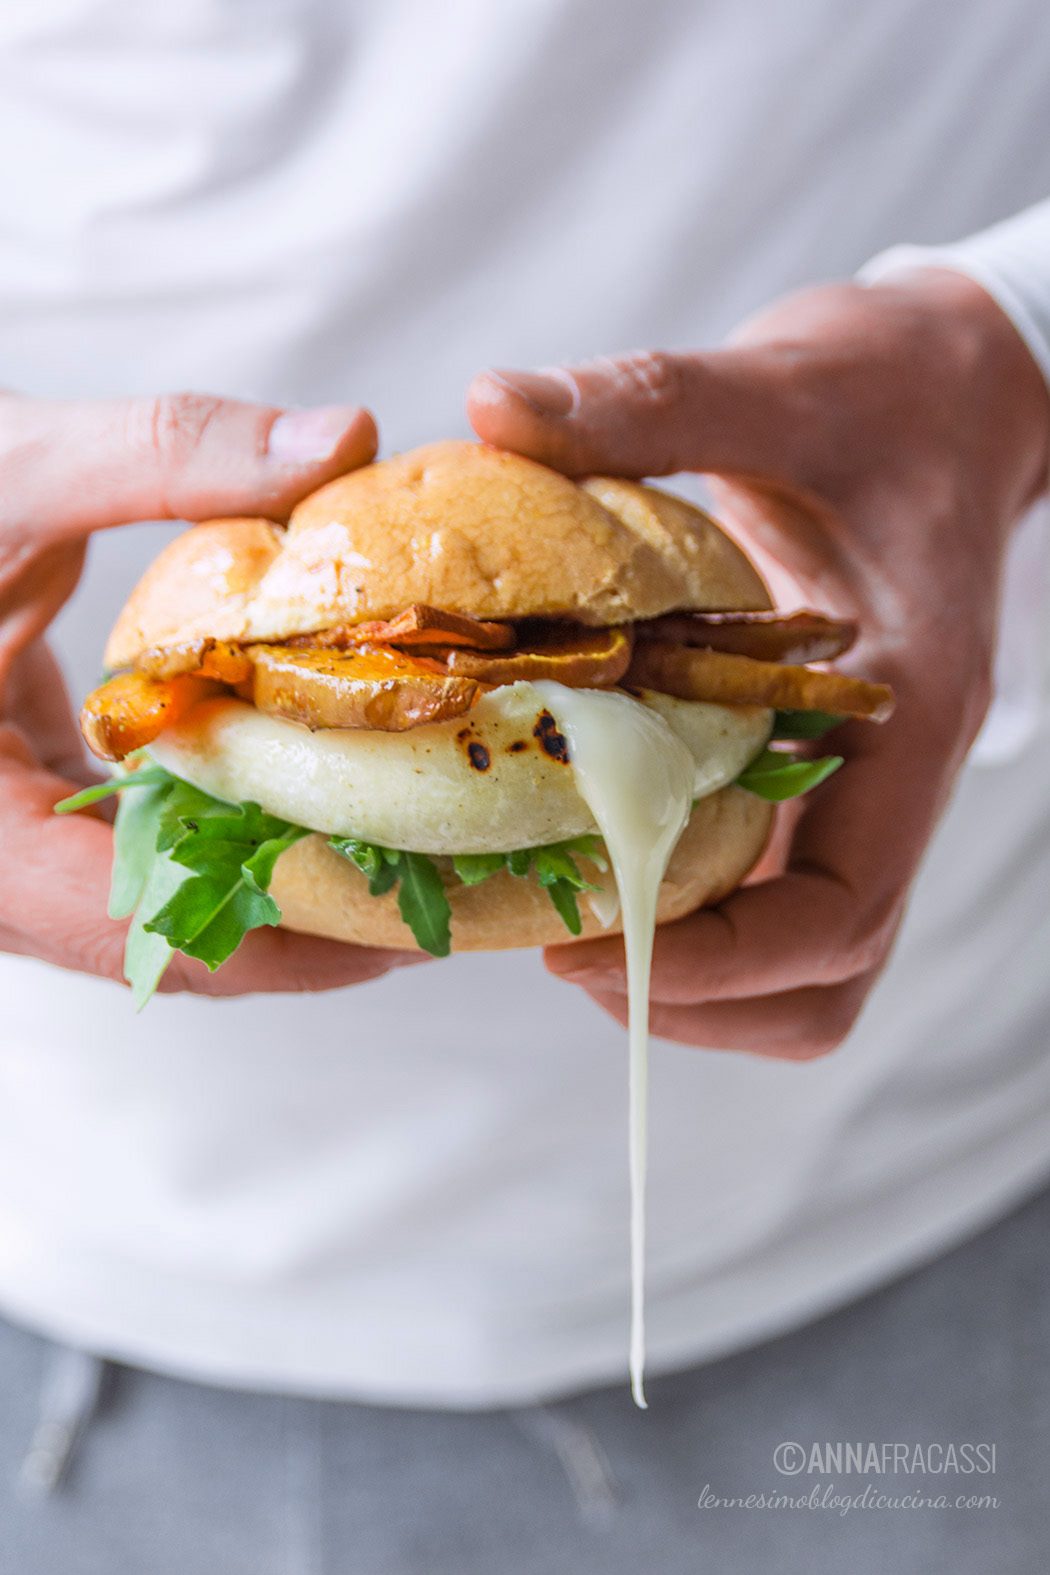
<point>74,1380</point>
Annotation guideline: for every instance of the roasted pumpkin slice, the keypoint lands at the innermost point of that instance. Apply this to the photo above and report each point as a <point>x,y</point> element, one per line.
<point>417,625</point>
<point>378,689</point>
<point>582,659</point>
<point>133,709</point>
<point>767,636</point>
<point>222,660</point>
<point>728,679</point>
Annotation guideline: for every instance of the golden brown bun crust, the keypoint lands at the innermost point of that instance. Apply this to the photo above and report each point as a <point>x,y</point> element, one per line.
<point>321,893</point>
<point>457,525</point>
<point>212,570</point>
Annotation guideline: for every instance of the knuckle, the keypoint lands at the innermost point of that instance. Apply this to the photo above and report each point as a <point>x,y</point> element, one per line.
<point>174,424</point>
<point>869,943</point>
<point>864,950</point>
<point>656,375</point>
<point>827,1025</point>
<point>849,938</point>
<point>102,956</point>
<point>816,1047</point>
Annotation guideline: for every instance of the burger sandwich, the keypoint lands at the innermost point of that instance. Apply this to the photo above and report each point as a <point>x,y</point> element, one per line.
<point>366,724</point>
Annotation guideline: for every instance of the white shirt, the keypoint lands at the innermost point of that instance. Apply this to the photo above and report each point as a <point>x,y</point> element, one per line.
<point>416,1190</point>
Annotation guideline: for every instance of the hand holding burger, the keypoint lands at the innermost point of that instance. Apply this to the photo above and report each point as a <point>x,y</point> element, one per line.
<point>70,468</point>
<point>879,443</point>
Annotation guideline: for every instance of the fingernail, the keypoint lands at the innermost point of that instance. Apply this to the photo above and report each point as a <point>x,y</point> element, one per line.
<point>597,978</point>
<point>549,394</point>
<point>301,436</point>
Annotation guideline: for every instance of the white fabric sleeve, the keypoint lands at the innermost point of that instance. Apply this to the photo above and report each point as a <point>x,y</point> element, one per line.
<point>1011,261</point>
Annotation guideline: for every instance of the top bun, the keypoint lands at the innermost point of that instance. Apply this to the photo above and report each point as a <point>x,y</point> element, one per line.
<point>456,525</point>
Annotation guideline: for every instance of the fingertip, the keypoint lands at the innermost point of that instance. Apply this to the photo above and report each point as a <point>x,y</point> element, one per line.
<point>305,449</point>
<point>363,437</point>
<point>523,411</point>
<point>598,963</point>
<point>551,393</point>
<point>492,407</point>
<point>559,961</point>
<point>407,959</point>
<point>486,392</point>
<point>323,435</point>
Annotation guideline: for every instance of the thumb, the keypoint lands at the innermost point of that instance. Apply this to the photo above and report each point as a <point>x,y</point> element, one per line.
<point>72,467</point>
<point>647,413</point>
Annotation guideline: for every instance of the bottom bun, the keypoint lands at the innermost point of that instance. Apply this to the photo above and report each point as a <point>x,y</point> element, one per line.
<point>321,893</point>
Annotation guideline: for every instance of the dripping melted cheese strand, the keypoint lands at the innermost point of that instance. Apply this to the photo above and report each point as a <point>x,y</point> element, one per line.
<point>637,779</point>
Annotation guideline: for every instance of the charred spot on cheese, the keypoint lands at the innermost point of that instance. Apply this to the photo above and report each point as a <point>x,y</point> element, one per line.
<point>480,758</point>
<point>550,740</point>
<point>517,746</point>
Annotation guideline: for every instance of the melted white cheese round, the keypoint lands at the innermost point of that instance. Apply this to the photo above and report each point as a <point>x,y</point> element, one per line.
<point>483,783</point>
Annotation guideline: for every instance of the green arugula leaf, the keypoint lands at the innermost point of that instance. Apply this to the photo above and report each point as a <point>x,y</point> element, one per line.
<point>473,868</point>
<point>804,724</point>
<point>145,776</point>
<point>186,807</point>
<point>194,870</point>
<point>554,864</point>
<point>146,956</point>
<point>424,904</point>
<point>421,897</point>
<point>135,846</point>
<point>207,920</point>
<point>210,838</point>
<point>552,861</point>
<point>385,877</point>
<point>230,850</point>
<point>563,895</point>
<point>367,857</point>
<point>777,776</point>
<point>210,913</point>
<point>589,846</point>
<point>381,865</point>
<point>258,870</point>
